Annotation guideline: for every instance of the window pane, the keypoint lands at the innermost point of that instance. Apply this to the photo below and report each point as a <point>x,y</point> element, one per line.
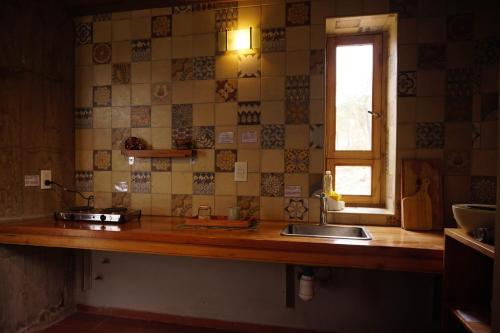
<point>353,97</point>
<point>353,180</point>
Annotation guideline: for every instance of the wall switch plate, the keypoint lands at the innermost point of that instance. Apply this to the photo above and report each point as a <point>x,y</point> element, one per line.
<point>240,171</point>
<point>45,175</point>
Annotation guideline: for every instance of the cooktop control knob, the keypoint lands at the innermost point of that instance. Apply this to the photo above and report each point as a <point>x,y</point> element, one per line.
<point>103,218</point>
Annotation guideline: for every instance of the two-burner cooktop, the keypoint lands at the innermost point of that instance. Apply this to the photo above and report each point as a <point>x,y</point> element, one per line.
<point>104,215</point>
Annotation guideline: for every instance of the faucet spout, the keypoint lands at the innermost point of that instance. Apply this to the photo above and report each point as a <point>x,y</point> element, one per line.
<point>323,218</point>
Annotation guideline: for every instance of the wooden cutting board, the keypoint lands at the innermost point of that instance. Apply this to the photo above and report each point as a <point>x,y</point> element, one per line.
<point>414,174</point>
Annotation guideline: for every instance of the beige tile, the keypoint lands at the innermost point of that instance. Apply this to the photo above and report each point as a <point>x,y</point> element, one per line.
<point>251,186</point>
<point>226,114</point>
<point>84,139</point>
<point>431,83</point>
<point>249,17</point>
<point>313,210</point>
<point>224,183</point>
<point>83,55</point>
<point>121,52</point>
<point>273,64</point>
<point>317,84</point>
<point>318,37</point>
<point>83,97</point>
<point>121,30</point>
<point>320,10</point>
<point>223,129</point>
<point>273,16</point>
<point>182,46</point>
<point>316,161</point>
<point>182,182</point>
<point>430,109</point>
<point>458,135</point>
<point>484,163</point>
<point>407,57</point>
<point>407,30</point>
<point>297,136</point>
<point>102,181</point>
<point>161,116</point>
<point>205,160</point>
<point>273,88</point>
<point>102,199</point>
<point>226,66</point>
<point>120,176</point>
<point>252,157</point>
<point>272,112</point>
<point>431,30</point>
<point>204,91</point>
<point>161,11</point>
<point>161,204</point>
<point>182,164</point>
<point>297,38</point>
<point>161,138</point>
<point>223,203</point>
<point>102,138</point>
<point>161,182</point>
<point>348,7</point>
<point>298,179</point>
<point>161,71</point>
<point>459,54</point>
<point>101,117</point>
<point>120,95</point>
<point>141,94</point>
<point>141,27</point>
<point>84,160</point>
<point>182,24</point>
<point>297,63</point>
<point>102,75</point>
<point>430,154</point>
<point>204,45</point>
<point>203,22</point>
<point>489,136</point>
<point>271,208</point>
<point>182,92</point>
<point>246,131</point>
<point>406,136</point>
<point>84,76</point>
<point>317,111</point>
<point>203,200</point>
<point>141,164</point>
<point>407,109</point>
<point>120,117</point>
<point>119,161</point>
<point>141,72</point>
<point>161,48</point>
<point>203,114</point>
<point>272,160</point>
<point>141,201</point>
<point>249,89</point>
<point>121,15</point>
<point>143,133</point>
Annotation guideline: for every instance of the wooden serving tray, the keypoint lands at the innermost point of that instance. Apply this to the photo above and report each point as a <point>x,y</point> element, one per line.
<point>219,221</point>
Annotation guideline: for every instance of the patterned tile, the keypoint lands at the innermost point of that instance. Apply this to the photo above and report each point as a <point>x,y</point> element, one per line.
<point>83,118</point>
<point>83,33</point>
<point>141,182</point>
<point>273,40</point>
<point>225,159</point>
<point>407,83</point>
<point>84,181</point>
<point>317,62</point>
<point>161,93</point>
<point>297,111</point>
<point>102,96</point>
<point>316,136</point>
<point>431,56</point>
<point>141,50</point>
<point>476,135</point>
<point>140,116</point>
<point>483,189</point>
<point>273,136</point>
<point>101,17</point>
<point>298,13</point>
<point>182,9</point>
<point>296,209</point>
<point>272,184</point>
<point>202,6</point>
<point>297,87</point>
<point>161,164</point>
<point>121,74</point>
<point>161,26</point>
<point>296,160</point>
<point>249,113</point>
<point>430,135</point>
<point>204,137</point>
<point>182,115</point>
<point>102,160</point>
<point>121,199</point>
<point>459,87</point>
<point>486,51</point>
<point>457,162</point>
<point>181,137</point>
<point>249,206</point>
<point>405,8</point>
<point>297,99</point>
<point>204,68</point>
<point>226,19</point>
<point>118,137</point>
<point>182,69</point>
<point>460,27</point>
<point>489,106</point>
<point>249,65</point>
<point>226,91</point>
<point>204,183</point>
<point>182,205</point>
<point>315,183</point>
<point>101,53</point>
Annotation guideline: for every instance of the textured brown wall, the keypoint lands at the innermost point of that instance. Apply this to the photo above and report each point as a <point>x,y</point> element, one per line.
<point>36,132</point>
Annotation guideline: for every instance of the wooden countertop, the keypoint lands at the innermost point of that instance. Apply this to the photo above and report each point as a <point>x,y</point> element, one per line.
<point>391,248</point>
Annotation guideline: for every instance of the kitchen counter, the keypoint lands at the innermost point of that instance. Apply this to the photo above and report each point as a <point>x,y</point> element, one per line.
<point>391,248</point>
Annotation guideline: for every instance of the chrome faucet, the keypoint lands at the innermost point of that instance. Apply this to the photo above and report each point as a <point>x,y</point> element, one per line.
<point>323,216</point>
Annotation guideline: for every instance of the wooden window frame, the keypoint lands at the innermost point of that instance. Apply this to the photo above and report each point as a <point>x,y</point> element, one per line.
<point>369,158</point>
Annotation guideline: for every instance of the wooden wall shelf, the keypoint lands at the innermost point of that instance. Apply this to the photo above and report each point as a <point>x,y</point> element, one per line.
<point>158,153</point>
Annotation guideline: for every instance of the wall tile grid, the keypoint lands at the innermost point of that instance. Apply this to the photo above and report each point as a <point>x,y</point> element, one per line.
<point>156,74</point>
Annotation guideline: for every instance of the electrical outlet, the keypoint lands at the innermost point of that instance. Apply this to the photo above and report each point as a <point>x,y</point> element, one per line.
<point>45,175</point>
<point>240,171</point>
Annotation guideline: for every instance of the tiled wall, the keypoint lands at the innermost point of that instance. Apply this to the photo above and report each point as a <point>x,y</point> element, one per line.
<point>156,74</point>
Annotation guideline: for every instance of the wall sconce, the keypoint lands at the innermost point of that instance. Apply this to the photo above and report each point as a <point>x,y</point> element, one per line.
<point>238,40</point>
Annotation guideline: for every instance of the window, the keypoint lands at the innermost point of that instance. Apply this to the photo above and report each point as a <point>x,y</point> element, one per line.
<point>353,117</point>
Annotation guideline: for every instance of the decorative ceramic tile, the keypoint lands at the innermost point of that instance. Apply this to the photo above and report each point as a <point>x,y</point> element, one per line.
<point>489,106</point>
<point>407,83</point>
<point>272,184</point>
<point>249,113</point>
<point>181,134</point>
<point>224,160</point>
<point>140,116</point>
<point>316,136</point>
<point>201,6</point>
<point>204,137</point>
<point>430,135</point>
<point>102,96</point>
<point>297,87</point>
<point>121,199</point>
<point>273,136</point>
<point>458,108</point>
<point>83,33</point>
<point>457,162</point>
<point>83,118</point>
<point>476,135</point>
<point>204,68</point>
<point>296,209</point>
<point>226,19</point>
<point>483,189</point>
<point>315,183</point>
<point>101,53</point>
<point>486,51</point>
<point>182,115</point>
<point>460,27</point>
<point>182,205</point>
<point>121,74</point>
<point>161,93</point>
<point>182,9</point>
<point>249,206</point>
<point>84,181</point>
<point>249,65</point>
<point>297,99</point>
<point>204,183</point>
<point>459,88</point>
<point>298,13</point>
<point>405,8</point>
<point>226,91</point>
<point>317,62</point>
<point>182,69</point>
<point>161,26</point>
<point>161,164</point>
<point>101,17</point>
<point>118,137</point>
<point>141,50</point>
<point>296,160</point>
<point>141,182</point>
<point>102,160</point>
<point>297,112</point>
<point>273,40</point>
<point>431,56</point>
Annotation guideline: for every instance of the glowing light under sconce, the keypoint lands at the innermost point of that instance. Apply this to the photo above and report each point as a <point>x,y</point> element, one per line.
<point>238,40</point>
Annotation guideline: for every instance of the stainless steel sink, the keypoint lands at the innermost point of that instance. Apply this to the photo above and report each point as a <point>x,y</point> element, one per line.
<point>326,231</point>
